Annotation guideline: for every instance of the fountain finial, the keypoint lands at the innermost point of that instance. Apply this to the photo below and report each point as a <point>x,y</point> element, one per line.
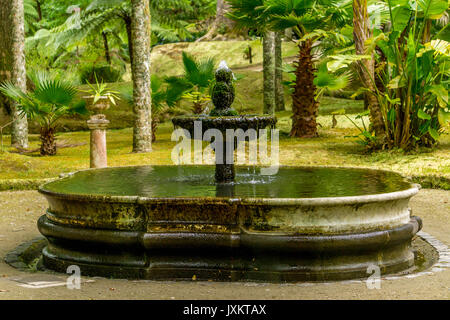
<point>223,65</point>
<point>223,91</point>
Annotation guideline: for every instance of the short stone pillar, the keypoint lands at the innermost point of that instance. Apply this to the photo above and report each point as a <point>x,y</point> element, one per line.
<point>98,124</point>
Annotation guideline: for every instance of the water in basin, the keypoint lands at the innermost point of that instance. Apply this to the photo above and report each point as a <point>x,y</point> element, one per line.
<point>197,181</point>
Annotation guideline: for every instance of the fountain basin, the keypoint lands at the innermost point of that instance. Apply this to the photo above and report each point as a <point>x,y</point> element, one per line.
<point>174,222</point>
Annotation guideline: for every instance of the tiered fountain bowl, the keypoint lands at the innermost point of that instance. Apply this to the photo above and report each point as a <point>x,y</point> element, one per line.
<point>177,222</point>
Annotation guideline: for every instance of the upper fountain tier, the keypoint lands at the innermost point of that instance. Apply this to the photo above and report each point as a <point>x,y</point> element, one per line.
<point>223,116</point>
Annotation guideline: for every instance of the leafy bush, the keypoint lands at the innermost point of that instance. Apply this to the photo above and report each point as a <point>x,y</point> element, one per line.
<point>104,73</point>
<point>46,104</point>
<point>195,83</point>
<point>412,77</point>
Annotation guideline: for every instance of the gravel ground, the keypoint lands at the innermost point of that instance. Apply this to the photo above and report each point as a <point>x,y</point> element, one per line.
<point>19,212</point>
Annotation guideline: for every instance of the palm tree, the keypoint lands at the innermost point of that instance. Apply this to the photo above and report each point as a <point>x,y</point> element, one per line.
<point>194,84</point>
<point>51,100</point>
<point>362,32</point>
<point>311,20</point>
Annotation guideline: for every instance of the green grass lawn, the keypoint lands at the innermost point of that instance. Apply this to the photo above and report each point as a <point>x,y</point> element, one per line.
<point>332,148</point>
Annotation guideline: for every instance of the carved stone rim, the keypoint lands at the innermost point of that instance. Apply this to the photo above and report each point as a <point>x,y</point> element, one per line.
<point>320,201</point>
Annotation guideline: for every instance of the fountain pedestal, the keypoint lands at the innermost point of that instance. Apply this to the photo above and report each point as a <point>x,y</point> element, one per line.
<point>98,125</point>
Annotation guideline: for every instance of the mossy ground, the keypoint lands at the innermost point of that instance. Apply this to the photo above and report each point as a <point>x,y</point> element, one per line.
<point>330,148</point>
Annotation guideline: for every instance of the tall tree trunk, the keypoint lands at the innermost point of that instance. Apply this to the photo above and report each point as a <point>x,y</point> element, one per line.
<point>128,28</point>
<point>140,35</point>
<point>361,32</point>
<point>106,46</point>
<point>39,9</point>
<point>222,7</point>
<point>269,72</point>
<point>12,63</point>
<point>279,88</point>
<point>304,104</point>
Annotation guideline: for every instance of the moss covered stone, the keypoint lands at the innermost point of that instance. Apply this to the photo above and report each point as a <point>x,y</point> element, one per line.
<point>223,93</point>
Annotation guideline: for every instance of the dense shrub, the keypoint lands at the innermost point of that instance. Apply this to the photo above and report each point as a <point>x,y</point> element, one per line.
<point>104,73</point>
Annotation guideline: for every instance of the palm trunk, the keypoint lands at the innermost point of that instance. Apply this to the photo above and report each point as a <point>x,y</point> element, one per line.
<point>12,63</point>
<point>48,142</point>
<point>361,32</point>
<point>279,88</point>
<point>304,104</point>
<point>106,46</point>
<point>197,107</point>
<point>140,40</point>
<point>269,72</point>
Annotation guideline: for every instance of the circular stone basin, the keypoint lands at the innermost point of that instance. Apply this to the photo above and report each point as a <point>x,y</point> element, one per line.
<point>174,222</point>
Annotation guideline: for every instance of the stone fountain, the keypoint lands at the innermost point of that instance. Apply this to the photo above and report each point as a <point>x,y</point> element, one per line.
<point>223,118</point>
<point>227,222</point>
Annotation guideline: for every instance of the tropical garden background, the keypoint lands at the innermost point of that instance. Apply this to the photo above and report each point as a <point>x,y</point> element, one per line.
<point>352,82</point>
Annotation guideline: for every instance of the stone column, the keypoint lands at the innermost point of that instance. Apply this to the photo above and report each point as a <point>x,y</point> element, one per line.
<point>98,124</point>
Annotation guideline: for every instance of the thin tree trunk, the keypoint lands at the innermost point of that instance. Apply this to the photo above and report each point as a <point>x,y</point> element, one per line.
<point>269,72</point>
<point>39,9</point>
<point>304,104</point>
<point>106,46</point>
<point>155,123</point>
<point>12,63</point>
<point>222,7</point>
<point>361,32</point>
<point>279,88</point>
<point>140,36</point>
<point>128,27</point>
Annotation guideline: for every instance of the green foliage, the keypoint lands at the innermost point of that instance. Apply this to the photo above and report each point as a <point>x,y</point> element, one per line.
<point>50,100</point>
<point>160,95</point>
<point>198,72</point>
<point>414,74</point>
<point>325,80</point>
<point>30,15</point>
<point>100,90</point>
<point>104,73</point>
<point>195,83</point>
<point>303,16</point>
<point>365,137</point>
